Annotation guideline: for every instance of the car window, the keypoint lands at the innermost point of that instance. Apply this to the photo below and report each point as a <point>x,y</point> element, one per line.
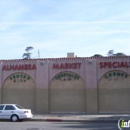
<point>1,107</point>
<point>19,107</point>
<point>9,107</point>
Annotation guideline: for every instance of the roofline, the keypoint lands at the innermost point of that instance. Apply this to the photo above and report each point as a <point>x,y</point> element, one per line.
<point>66,58</point>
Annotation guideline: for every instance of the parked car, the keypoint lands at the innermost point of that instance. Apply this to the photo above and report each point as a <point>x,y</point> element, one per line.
<point>14,112</point>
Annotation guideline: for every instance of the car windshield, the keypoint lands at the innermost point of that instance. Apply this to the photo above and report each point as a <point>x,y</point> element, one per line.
<point>19,107</point>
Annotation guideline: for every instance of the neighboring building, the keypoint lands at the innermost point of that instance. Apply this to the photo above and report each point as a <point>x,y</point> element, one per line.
<point>67,85</point>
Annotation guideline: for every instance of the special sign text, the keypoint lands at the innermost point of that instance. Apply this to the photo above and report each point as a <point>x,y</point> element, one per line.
<point>114,64</point>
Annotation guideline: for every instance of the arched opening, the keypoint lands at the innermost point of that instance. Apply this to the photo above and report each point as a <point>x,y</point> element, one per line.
<point>67,93</point>
<point>114,92</point>
<point>19,88</point>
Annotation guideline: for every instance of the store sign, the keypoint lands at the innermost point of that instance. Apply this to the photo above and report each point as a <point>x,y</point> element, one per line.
<point>19,78</point>
<point>20,67</point>
<point>67,66</point>
<point>66,76</point>
<point>115,75</point>
<point>114,64</point>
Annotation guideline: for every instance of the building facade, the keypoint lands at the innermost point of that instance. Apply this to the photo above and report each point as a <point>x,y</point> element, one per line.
<point>67,85</point>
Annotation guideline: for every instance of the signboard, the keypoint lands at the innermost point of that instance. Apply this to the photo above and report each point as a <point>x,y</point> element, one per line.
<point>67,66</point>
<point>67,76</point>
<point>19,78</point>
<point>20,67</point>
<point>114,64</point>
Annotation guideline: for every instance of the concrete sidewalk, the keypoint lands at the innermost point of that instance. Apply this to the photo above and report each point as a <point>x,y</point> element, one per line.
<point>80,117</point>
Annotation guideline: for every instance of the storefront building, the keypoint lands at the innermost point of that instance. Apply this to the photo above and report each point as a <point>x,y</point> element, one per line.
<point>67,85</point>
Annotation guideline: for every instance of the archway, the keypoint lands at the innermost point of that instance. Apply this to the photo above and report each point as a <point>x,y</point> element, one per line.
<point>19,88</point>
<point>114,92</point>
<point>67,93</point>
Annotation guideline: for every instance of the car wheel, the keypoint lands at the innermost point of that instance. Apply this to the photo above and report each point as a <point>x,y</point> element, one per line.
<point>14,118</point>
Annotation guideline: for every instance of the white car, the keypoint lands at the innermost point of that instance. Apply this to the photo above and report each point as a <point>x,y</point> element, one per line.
<point>14,112</point>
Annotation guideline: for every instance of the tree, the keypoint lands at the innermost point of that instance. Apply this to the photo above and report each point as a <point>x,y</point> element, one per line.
<point>28,53</point>
<point>28,49</point>
<point>97,55</point>
<point>119,54</point>
<point>110,53</point>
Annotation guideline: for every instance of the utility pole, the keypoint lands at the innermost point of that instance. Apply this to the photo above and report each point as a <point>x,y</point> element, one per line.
<point>38,53</point>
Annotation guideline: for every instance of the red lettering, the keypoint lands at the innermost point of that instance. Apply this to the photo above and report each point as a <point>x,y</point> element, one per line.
<point>16,68</point>
<point>122,64</point>
<point>109,64</point>
<point>101,65</point>
<point>25,66</point>
<point>55,66</point>
<point>70,66</point>
<point>33,67</point>
<point>114,64</point>
<point>105,64</point>
<point>4,67</point>
<point>29,67</point>
<point>11,67</point>
<point>61,66</point>
<point>7,67</point>
<point>66,66</point>
<point>79,65</point>
<point>75,65</point>
<point>126,64</point>
<point>21,67</point>
<point>118,64</point>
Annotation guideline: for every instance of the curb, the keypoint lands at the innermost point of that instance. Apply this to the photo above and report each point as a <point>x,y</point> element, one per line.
<point>65,120</point>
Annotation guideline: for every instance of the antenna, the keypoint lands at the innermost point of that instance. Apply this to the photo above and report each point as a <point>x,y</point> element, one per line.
<point>38,53</point>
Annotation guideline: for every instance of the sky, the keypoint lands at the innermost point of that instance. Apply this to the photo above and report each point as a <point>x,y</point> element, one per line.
<point>58,27</point>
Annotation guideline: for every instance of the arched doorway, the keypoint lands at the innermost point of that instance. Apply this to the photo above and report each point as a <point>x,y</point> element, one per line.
<point>19,88</point>
<point>114,92</point>
<point>67,93</point>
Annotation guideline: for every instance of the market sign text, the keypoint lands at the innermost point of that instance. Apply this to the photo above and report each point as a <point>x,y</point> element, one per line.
<point>66,76</point>
<point>19,77</point>
<point>20,67</point>
<point>117,74</point>
<point>114,64</point>
<point>67,66</point>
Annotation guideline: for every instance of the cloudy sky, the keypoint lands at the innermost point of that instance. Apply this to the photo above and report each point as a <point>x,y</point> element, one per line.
<point>56,27</point>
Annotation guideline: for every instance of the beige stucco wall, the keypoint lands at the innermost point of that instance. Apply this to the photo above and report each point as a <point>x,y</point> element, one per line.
<point>42,84</point>
<point>42,101</point>
<point>0,95</point>
<point>91,101</point>
<point>91,86</point>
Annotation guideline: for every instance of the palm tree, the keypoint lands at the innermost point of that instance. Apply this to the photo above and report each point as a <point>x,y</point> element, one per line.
<point>27,55</point>
<point>28,49</point>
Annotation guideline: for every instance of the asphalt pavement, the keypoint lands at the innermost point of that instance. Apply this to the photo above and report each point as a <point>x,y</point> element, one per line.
<point>80,117</point>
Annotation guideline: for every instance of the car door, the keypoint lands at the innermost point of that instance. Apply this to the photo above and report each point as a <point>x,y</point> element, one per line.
<point>1,111</point>
<point>8,111</point>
